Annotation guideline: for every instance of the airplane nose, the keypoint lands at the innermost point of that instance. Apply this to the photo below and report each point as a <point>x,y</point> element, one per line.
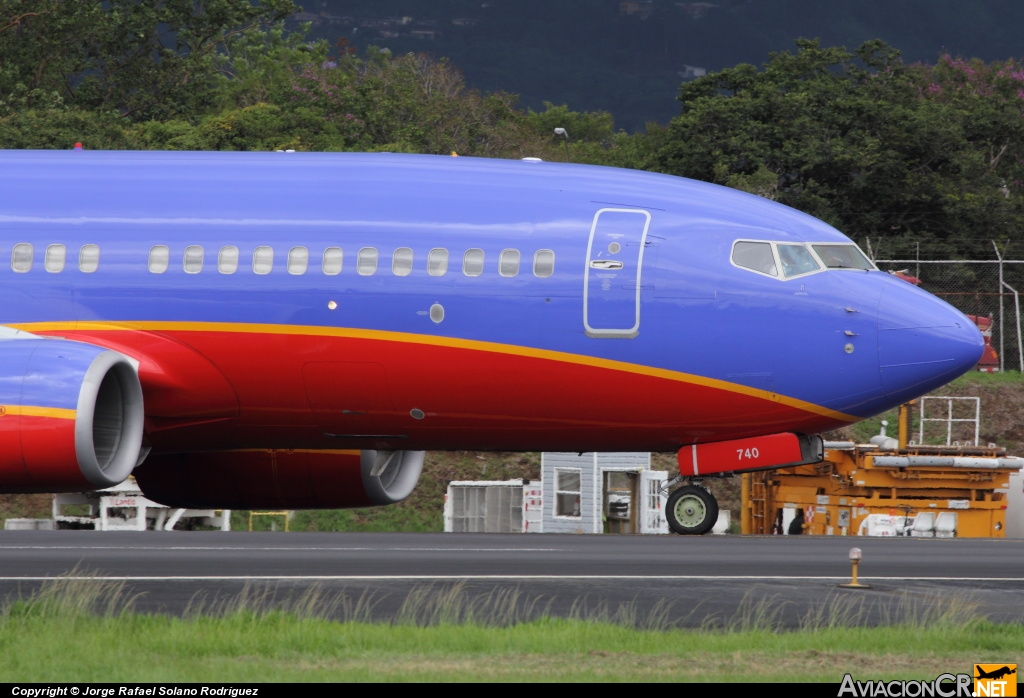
<point>923,342</point>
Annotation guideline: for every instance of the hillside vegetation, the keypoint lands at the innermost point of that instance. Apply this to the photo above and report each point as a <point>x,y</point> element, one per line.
<point>629,58</point>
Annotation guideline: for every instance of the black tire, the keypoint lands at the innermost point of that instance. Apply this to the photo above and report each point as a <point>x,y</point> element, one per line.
<point>691,511</point>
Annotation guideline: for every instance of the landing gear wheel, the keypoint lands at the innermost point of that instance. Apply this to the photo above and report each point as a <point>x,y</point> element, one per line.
<point>691,510</point>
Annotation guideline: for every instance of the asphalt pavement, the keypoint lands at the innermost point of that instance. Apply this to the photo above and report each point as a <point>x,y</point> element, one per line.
<point>662,580</point>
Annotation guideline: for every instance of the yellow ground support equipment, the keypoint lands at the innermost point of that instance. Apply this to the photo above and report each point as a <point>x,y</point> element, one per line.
<point>887,488</point>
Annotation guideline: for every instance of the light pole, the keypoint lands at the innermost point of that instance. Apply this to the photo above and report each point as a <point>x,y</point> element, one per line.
<point>564,134</point>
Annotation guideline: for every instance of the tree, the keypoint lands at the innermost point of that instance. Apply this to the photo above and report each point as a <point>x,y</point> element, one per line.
<point>858,139</point>
<point>143,58</point>
<point>409,103</point>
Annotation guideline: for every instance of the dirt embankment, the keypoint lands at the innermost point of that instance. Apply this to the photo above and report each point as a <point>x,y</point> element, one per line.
<point>1001,420</point>
<point>1002,409</point>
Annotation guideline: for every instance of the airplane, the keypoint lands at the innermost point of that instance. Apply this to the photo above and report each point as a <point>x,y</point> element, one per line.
<point>293,330</point>
<point>995,673</point>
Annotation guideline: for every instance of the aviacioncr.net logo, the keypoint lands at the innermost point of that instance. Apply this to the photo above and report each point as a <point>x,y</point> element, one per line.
<point>944,686</point>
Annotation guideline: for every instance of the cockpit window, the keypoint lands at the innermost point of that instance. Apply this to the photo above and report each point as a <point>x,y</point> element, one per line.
<point>797,260</point>
<point>756,256</point>
<point>842,257</point>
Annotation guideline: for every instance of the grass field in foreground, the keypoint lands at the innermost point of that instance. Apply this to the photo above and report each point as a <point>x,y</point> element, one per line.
<point>86,631</point>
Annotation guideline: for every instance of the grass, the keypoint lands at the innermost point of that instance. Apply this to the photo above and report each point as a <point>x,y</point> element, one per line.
<point>86,630</point>
<point>1010,377</point>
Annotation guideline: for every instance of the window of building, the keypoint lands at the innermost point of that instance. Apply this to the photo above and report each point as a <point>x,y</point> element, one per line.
<point>21,258</point>
<point>227,259</point>
<point>159,259</point>
<point>54,258</point>
<point>437,262</point>
<point>401,262</point>
<point>193,261</point>
<point>508,263</point>
<point>333,257</point>
<point>567,491</point>
<point>544,263</point>
<point>89,258</point>
<point>298,260</point>
<point>366,261</point>
<point>263,260</point>
<point>473,262</point>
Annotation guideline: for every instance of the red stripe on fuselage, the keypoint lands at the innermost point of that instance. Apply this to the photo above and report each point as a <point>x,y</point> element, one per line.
<point>368,392</point>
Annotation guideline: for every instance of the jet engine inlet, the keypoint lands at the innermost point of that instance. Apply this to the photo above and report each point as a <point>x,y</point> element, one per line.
<point>72,416</point>
<point>390,476</point>
<point>108,428</point>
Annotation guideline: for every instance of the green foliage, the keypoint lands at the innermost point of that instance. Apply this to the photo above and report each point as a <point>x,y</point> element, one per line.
<point>62,128</point>
<point>258,127</point>
<point>408,103</point>
<point>861,140</point>
<point>372,520</point>
<point>275,98</point>
<point>142,59</point>
<point>592,137</point>
<point>258,65</point>
<point>583,127</point>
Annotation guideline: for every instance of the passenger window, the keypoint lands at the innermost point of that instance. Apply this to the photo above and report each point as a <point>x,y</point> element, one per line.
<point>437,262</point>
<point>756,256</point>
<point>366,261</point>
<point>544,263</point>
<point>401,262</point>
<point>333,257</point>
<point>263,260</point>
<point>53,260</point>
<point>193,262</point>
<point>797,260</point>
<point>227,259</point>
<point>508,263</point>
<point>89,258</point>
<point>298,260</point>
<point>159,258</point>
<point>21,258</point>
<point>842,257</point>
<point>473,262</point>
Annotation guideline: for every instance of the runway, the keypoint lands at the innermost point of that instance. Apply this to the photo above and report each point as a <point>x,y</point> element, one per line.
<point>677,580</point>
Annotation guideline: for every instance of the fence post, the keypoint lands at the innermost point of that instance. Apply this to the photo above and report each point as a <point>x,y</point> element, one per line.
<point>1002,348</point>
<point>1016,307</point>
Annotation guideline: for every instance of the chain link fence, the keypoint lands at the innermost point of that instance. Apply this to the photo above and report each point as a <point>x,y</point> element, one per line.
<point>981,278</point>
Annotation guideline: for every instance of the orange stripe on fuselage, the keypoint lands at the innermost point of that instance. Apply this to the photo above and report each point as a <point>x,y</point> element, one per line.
<point>452,342</point>
<point>31,411</point>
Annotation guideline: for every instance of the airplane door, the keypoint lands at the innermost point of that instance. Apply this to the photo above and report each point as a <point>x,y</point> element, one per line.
<point>611,281</point>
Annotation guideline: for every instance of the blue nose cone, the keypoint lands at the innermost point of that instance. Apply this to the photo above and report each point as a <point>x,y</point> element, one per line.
<point>923,342</point>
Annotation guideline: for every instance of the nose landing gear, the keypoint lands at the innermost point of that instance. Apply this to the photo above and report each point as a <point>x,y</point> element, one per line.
<point>691,510</point>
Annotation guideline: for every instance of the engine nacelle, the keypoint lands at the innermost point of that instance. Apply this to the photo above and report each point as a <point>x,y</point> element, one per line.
<point>279,479</point>
<point>71,416</point>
